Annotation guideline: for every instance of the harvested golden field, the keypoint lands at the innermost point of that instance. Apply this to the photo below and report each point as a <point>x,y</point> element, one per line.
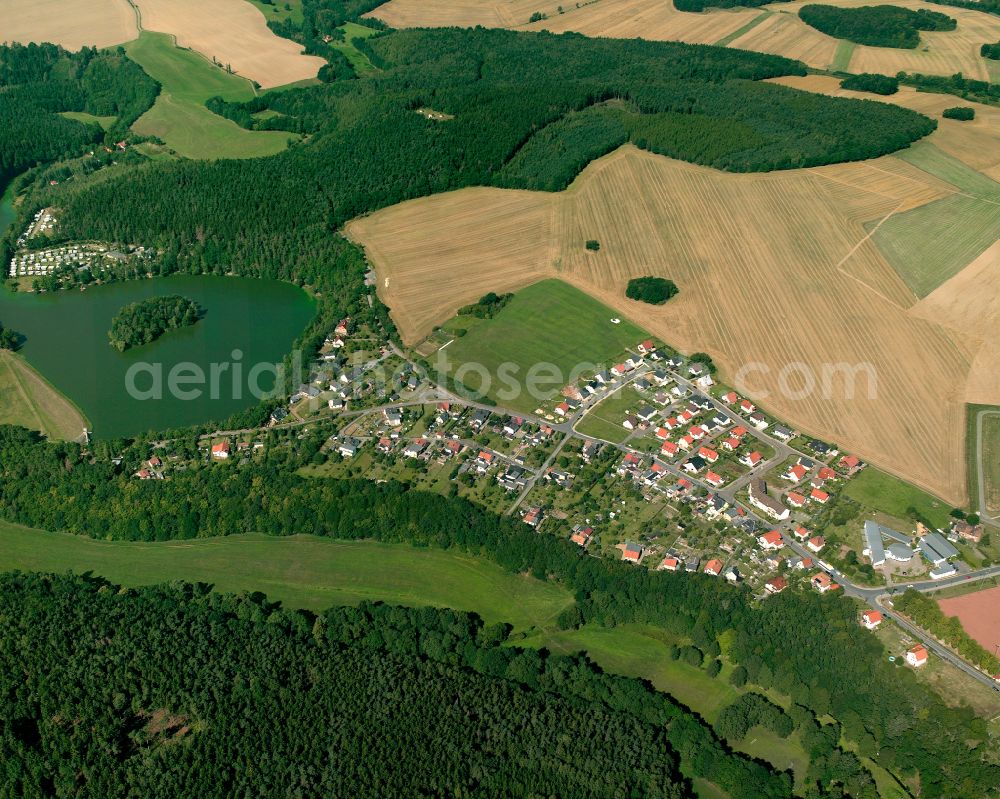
<point>232,32</point>
<point>463,13</point>
<point>785,34</point>
<point>969,303</point>
<point>71,23</point>
<point>777,273</point>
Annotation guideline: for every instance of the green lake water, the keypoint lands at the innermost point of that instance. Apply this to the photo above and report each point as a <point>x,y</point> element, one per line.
<point>67,341</point>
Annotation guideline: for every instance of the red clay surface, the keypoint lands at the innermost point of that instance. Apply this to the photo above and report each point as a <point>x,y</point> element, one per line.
<point>979,614</point>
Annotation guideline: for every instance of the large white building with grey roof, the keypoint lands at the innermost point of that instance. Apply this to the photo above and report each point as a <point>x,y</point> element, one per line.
<point>937,549</point>
<point>883,542</point>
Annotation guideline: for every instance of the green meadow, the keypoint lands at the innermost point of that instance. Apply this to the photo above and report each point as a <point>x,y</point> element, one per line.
<point>883,492</point>
<point>604,420</point>
<point>300,571</point>
<point>179,116</point>
<point>359,61</point>
<point>83,116</point>
<point>931,243</point>
<point>549,327</point>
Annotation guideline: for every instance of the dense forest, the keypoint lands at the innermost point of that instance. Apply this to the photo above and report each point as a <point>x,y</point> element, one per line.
<point>39,80</point>
<point>654,290</point>
<point>877,26</point>
<point>962,113</point>
<point>988,6</point>
<point>146,320</point>
<point>990,51</point>
<point>701,5</point>
<point>115,693</point>
<point>786,643</point>
<point>871,82</point>
<point>968,88</point>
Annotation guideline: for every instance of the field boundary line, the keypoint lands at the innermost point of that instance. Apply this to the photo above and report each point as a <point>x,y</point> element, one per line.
<point>856,247</point>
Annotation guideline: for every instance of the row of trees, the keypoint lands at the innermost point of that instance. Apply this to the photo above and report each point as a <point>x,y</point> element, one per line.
<point>878,26</point>
<point>785,643</point>
<point>144,321</point>
<point>926,613</point>
<point>871,82</point>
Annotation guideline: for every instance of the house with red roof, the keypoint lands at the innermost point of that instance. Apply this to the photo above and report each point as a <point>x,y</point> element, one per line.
<point>697,432</point>
<point>752,459</point>
<point>646,346</point>
<point>581,535</point>
<point>708,454</point>
<point>561,409</point>
<point>669,448</point>
<point>821,582</point>
<point>669,564</point>
<point>770,540</point>
<point>871,619</point>
<point>747,407</point>
<point>776,585</point>
<point>739,431</point>
<point>533,517</point>
<point>730,397</point>
<point>662,433</point>
<point>731,443</point>
<point>221,450</point>
<point>144,474</point>
<point>826,473</point>
<point>632,552</point>
<point>801,533</point>
<point>795,473</point>
<point>713,567</point>
<point>816,543</point>
<point>685,442</point>
<point>917,656</point>
<point>850,463</point>
<point>795,499</point>
<point>820,496</point>
<point>714,479</point>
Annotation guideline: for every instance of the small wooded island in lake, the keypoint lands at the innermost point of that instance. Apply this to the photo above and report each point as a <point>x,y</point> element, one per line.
<point>142,322</point>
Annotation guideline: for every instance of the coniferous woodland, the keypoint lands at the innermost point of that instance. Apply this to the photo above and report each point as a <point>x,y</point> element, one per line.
<point>39,80</point>
<point>877,26</point>
<point>115,693</point>
<point>787,643</point>
<point>141,322</point>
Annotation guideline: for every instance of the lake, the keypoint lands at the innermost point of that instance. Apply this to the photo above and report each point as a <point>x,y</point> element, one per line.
<point>67,341</point>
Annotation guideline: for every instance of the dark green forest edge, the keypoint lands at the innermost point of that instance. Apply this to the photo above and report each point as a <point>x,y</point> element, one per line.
<point>141,322</point>
<point>278,217</point>
<point>877,26</point>
<point>807,645</point>
<point>701,5</point>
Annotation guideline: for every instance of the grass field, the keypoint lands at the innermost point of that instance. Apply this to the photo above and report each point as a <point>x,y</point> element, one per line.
<point>180,117</point>
<point>83,116</point>
<point>71,23</point>
<point>932,243</point>
<point>736,34</point>
<point>991,461</point>
<point>28,400</point>
<point>604,420</point>
<point>359,60</point>
<point>888,494</point>
<point>842,57</point>
<point>300,571</point>
<point>232,32</point>
<point>748,252</point>
<point>548,323</point>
